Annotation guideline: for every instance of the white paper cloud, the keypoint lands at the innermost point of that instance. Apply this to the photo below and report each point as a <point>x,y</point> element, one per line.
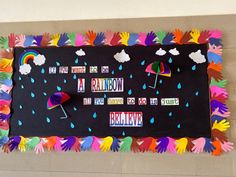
<point>39,60</point>
<point>25,69</point>
<point>122,56</point>
<point>174,51</point>
<point>197,57</point>
<point>80,52</point>
<point>160,52</point>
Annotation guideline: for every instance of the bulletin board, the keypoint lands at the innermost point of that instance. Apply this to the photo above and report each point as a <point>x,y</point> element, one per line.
<point>114,91</point>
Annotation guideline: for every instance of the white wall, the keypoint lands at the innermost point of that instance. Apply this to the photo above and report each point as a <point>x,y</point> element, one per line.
<point>52,10</point>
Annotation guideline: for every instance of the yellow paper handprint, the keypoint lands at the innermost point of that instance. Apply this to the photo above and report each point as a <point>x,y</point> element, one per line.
<point>195,34</point>
<point>124,38</point>
<point>181,145</point>
<point>106,144</point>
<point>222,125</point>
<point>5,62</point>
<point>55,39</point>
<point>22,144</point>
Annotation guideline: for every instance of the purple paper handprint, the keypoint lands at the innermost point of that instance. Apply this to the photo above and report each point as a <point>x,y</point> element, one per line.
<point>99,40</point>
<point>162,144</point>
<point>150,39</point>
<point>216,118</point>
<point>63,40</point>
<point>37,40</point>
<point>115,144</point>
<point>69,142</point>
<point>14,142</point>
<point>208,146</point>
<point>216,104</point>
<point>168,39</point>
<point>4,116</point>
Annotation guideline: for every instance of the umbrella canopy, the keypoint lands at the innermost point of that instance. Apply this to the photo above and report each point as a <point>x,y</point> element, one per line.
<point>159,68</point>
<point>57,99</point>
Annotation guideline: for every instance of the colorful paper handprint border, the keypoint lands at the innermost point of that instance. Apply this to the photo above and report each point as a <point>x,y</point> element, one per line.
<point>218,95</point>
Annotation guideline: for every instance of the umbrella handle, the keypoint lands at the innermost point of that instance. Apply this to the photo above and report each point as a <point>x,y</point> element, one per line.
<point>63,112</point>
<point>155,83</point>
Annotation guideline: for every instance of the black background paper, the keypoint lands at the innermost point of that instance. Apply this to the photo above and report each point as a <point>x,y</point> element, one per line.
<point>174,121</point>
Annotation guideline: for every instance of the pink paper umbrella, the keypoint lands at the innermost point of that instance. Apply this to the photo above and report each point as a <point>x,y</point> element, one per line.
<point>56,100</point>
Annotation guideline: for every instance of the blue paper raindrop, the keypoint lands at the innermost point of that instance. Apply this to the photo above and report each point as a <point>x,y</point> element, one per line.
<point>74,108</point>
<point>149,74</point>
<point>144,86</point>
<point>22,86</point>
<point>160,81</point>
<point>187,105</point>
<point>152,120</point>
<point>197,93</point>
<point>20,123</point>
<point>48,120</point>
<point>45,81</point>
<point>194,67</point>
<point>123,133</point>
<point>142,63</point>
<point>20,106</point>
<point>32,94</point>
<point>74,77</point>
<point>57,63</point>
<point>170,60</point>
<point>179,86</point>
<point>72,125</point>
<point>32,80</point>
<point>178,126</point>
<point>104,96</point>
<point>58,88</point>
<point>112,72</point>
<point>129,92</point>
<point>157,92</point>
<point>89,129</point>
<point>170,114</point>
<point>76,61</point>
<point>65,81</point>
<point>19,78</point>
<point>33,112</point>
<point>120,67</point>
<point>85,63</point>
<point>178,70</point>
<point>42,70</point>
<point>44,93</point>
<point>94,115</point>
<point>131,76</point>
